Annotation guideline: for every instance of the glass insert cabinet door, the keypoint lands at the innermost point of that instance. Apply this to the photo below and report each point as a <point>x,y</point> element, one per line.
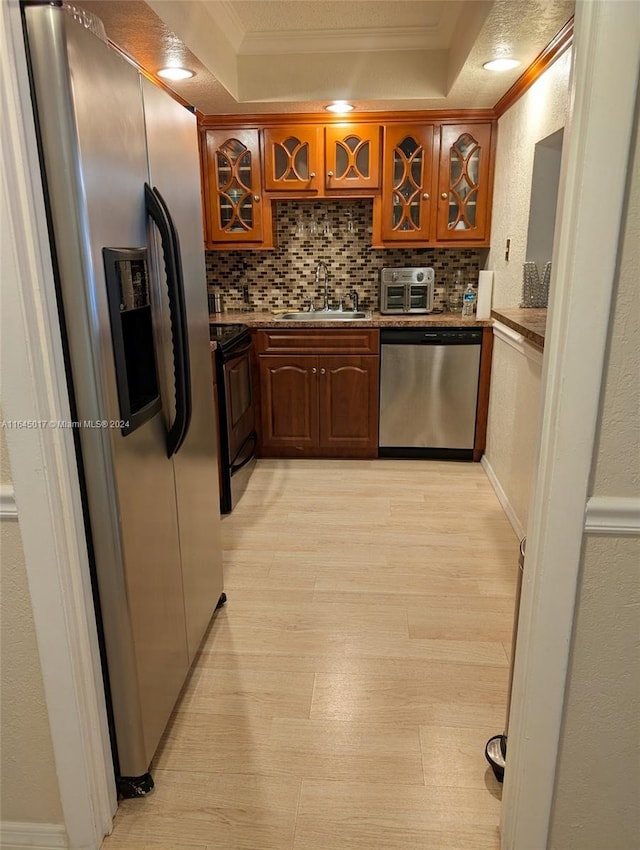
<point>292,158</point>
<point>233,177</point>
<point>406,183</point>
<point>352,156</point>
<point>463,199</point>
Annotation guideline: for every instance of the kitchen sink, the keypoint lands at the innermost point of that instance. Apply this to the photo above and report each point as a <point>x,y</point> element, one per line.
<point>322,316</point>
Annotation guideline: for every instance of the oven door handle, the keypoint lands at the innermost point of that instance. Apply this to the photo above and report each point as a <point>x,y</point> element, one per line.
<point>251,440</point>
<point>159,213</point>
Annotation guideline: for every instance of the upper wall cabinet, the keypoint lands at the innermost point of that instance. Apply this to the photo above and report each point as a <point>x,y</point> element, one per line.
<point>235,213</point>
<point>430,179</point>
<point>322,161</point>
<point>436,185</point>
<point>406,202</point>
<point>293,158</point>
<point>464,183</point>
<point>352,157</point>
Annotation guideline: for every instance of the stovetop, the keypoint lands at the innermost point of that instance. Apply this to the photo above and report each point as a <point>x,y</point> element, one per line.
<point>226,334</point>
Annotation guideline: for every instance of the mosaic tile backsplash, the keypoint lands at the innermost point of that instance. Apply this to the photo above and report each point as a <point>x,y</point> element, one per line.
<point>337,233</point>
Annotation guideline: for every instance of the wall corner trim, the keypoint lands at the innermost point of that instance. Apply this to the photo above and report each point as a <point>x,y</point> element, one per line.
<point>616,515</point>
<point>8,509</point>
<point>37,836</point>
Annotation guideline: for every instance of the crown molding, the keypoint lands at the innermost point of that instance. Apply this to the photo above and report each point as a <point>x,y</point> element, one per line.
<point>275,119</point>
<point>357,40</point>
<point>227,19</point>
<point>559,43</point>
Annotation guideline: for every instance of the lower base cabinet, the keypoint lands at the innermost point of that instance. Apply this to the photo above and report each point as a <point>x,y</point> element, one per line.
<point>318,405</point>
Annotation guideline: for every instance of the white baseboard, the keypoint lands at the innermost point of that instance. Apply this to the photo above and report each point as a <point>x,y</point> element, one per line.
<point>503,498</point>
<point>37,836</point>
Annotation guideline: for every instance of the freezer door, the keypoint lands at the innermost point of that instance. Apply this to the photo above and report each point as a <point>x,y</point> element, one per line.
<point>175,171</point>
<point>428,396</point>
<point>92,130</point>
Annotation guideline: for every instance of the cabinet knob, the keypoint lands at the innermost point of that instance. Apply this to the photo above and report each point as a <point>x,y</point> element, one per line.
<point>426,196</point>
<point>314,370</point>
<point>323,371</point>
<point>312,175</point>
<point>330,174</point>
<point>444,196</point>
<point>256,197</point>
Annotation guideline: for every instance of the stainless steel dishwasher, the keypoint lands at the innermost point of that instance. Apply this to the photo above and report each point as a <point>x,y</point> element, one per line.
<point>429,392</point>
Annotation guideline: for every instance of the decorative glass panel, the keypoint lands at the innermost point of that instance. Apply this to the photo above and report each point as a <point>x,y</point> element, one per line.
<point>408,177</point>
<point>464,165</point>
<point>291,160</point>
<point>352,158</point>
<point>233,173</point>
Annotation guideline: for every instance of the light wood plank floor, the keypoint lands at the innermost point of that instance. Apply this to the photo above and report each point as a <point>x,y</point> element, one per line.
<point>343,696</point>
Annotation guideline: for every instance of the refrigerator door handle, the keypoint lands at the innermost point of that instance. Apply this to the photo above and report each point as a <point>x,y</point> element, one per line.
<point>159,213</point>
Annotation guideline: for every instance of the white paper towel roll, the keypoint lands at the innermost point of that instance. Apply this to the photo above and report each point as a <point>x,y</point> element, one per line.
<point>485,290</point>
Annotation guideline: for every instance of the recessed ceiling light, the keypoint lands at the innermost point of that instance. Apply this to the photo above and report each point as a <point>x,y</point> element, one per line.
<point>503,64</point>
<point>340,107</point>
<point>175,73</point>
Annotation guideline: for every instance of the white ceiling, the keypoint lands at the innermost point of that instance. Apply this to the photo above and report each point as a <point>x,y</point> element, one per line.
<point>296,55</point>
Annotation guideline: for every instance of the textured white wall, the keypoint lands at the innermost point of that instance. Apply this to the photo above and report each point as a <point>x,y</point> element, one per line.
<point>598,778</point>
<point>514,408</point>
<point>515,384</point>
<point>538,113</point>
<point>596,796</point>
<point>29,786</point>
<point>617,467</point>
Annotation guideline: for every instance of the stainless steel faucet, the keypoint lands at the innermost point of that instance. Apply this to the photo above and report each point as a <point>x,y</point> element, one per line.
<point>319,268</point>
<point>354,296</point>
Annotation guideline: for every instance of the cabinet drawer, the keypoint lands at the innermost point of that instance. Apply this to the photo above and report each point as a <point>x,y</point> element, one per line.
<point>318,341</point>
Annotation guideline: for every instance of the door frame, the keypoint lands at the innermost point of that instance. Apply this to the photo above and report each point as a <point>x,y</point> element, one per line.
<point>46,479</point>
<point>46,488</point>
<point>593,182</point>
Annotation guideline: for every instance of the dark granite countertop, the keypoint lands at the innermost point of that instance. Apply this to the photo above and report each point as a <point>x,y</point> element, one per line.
<point>531,323</point>
<point>264,319</point>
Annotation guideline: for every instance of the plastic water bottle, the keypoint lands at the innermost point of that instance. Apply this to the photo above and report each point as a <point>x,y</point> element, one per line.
<point>469,302</point>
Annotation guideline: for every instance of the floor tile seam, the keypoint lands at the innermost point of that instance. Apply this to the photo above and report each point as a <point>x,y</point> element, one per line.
<point>443,665</point>
<point>295,819</point>
<point>257,715</point>
<point>277,776</point>
<point>390,723</point>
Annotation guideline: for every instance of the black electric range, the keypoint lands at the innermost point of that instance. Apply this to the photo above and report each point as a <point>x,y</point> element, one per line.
<point>227,335</point>
<point>236,414</point>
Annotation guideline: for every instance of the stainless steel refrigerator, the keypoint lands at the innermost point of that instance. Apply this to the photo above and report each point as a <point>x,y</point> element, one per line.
<point>121,173</point>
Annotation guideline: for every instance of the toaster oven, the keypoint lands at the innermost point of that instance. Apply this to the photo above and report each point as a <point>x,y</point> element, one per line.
<point>408,290</point>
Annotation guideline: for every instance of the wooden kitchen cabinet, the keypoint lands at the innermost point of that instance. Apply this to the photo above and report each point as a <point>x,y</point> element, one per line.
<point>235,213</point>
<point>352,157</point>
<point>465,181</point>
<point>431,179</point>
<point>437,185</point>
<point>348,405</point>
<point>319,400</point>
<point>321,160</point>
<point>293,158</point>
<point>406,202</point>
<point>289,405</point>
